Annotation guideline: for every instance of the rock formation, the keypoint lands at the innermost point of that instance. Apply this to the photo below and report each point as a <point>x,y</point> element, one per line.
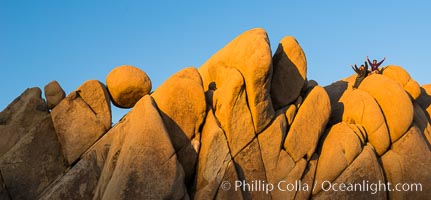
<point>82,118</point>
<point>244,125</point>
<point>53,94</point>
<point>127,84</point>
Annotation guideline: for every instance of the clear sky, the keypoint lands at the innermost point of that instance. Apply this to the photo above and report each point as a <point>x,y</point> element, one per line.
<point>75,41</point>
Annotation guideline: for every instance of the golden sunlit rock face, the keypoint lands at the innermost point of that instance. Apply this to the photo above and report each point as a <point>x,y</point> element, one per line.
<point>127,84</point>
<point>245,125</point>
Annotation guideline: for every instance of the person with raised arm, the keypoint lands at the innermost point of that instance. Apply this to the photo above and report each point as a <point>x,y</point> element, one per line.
<point>362,72</point>
<point>375,65</point>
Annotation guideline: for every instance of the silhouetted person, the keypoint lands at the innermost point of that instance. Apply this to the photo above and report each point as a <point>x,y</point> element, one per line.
<point>362,72</point>
<point>375,65</point>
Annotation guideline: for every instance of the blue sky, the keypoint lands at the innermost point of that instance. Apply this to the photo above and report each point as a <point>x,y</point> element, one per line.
<point>75,41</point>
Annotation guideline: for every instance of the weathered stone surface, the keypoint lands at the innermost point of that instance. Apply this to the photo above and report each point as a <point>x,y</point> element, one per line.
<point>335,92</point>
<point>290,113</point>
<point>312,83</point>
<point>230,106</point>
<point>424,100</point>
<point>339,149</point>
<point>409,161</point>
<point>33,163</point>
<point>402,77</point>
<point>277,162</point>
<point>307,89</point>
<point>293,178</point>
<point>309,123</point>
<point>182,105</point>
<point>227,189</point>
<point>78,123</point>
<point>53,94</point>
<point>145,153</point>
<point>421,121</point>
<point>299,101</point>
<point>96,96</point>
<point>307,179</point>
<point>358,178</point>
<point>398,111</point>
<point>250,54</point>
<point>99,151</point>
<point>80,182</point>
<point>251,170</point>
<point>4,194</point>
<point>127,84</point>
<point>284,167</point>
<point>113,147</point>
<point>214,158</point>
<point>360,108</point>
<point>289,73</point>
<point>392,166</point>
<point>360,131</point>
<point>20,116</point>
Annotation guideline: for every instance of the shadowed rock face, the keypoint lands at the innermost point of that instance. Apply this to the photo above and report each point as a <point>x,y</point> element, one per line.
<point>53,94</point>
<point>33,163</point>
<point>22,115</point>
<point>181,103</point>
<point>289,74</point>
<point>244,125</point>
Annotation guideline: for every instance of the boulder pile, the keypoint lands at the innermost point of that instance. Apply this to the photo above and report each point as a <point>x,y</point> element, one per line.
<point>245,125</point>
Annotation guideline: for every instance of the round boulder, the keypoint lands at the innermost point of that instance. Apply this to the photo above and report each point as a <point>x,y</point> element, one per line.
<point>127,84</point>
<point>402,77</point>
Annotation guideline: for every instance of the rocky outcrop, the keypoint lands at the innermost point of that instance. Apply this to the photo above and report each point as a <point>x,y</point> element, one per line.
<point>385,111</point>
<point>424,100</point>
<point>340,148</point>
<point>141,152</point>
<point>22,115</point>
<point>309,123</point>
<point>245,125</point>
<point>277,162</point>
<point>250,54</point>
<point>361,108</point>
<point>214,159</point>
<point>33,163</point>
<point>397,120</point>
<point>181,103</point>
<point>81,119</point>
<point>403,78</point>
<point>4,194</point>
<point>403,166</point>
<point>364,170</point>
<point>127,84</point>
<point>289,74</point>
<point>229,102</point>
<point>53,94</point>
<point>85,175</point>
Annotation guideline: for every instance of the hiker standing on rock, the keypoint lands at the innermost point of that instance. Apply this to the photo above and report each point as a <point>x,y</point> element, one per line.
<point>362,73</point>
<point>375,65</point>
